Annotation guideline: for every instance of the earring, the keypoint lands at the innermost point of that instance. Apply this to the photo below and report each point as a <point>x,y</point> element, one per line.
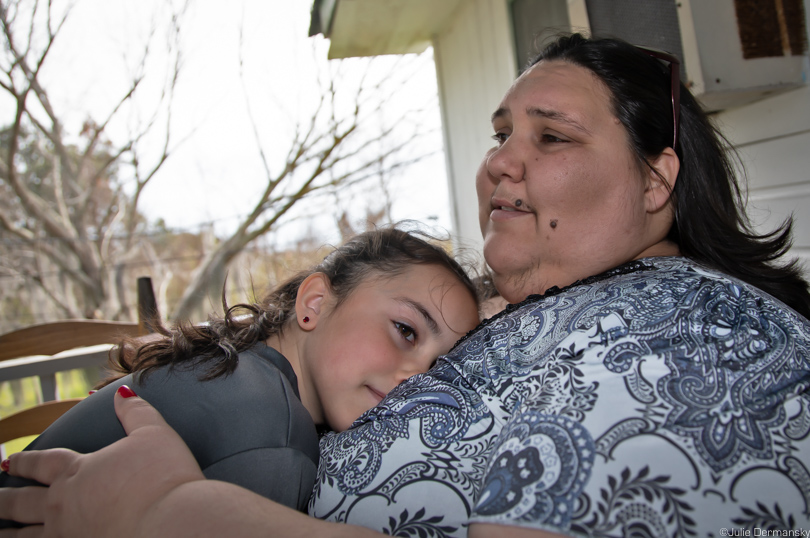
<point>306,319</point>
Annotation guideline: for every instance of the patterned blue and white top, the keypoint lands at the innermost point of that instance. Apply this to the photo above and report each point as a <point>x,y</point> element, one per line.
<point>657,399</point>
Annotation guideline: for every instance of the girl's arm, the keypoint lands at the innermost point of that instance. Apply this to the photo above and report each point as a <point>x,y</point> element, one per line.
<point>147,484</point>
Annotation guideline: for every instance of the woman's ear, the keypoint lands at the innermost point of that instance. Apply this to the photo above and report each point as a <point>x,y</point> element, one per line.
<point>661,180</point>
<point>311,300</point>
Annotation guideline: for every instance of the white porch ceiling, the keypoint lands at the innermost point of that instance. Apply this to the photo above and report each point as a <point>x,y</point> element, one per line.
<point>374,27</point>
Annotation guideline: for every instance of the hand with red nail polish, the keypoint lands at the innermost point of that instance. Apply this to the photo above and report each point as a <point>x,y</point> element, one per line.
<point>126,392</point>
<point>130,488</point>
<point>106,492</point>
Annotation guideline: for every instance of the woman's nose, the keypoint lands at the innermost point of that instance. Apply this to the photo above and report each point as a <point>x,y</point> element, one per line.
<point>505,163</point>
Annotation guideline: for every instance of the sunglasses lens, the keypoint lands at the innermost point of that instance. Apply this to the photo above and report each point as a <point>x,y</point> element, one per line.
<point>675,85</point>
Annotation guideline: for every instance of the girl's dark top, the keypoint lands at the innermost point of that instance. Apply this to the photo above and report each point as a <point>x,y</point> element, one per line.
<point>248,428</point>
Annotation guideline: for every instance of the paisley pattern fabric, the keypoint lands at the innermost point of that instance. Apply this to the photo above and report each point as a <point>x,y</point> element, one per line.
<point>657,399</point>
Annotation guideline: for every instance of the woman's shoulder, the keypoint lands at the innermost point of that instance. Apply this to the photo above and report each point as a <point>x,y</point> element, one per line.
<point>710,288</point>
<point>643,297</point>
<point>655,284</point>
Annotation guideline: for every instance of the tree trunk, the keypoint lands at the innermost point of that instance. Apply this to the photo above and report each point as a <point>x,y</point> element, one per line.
<point>204,292</point>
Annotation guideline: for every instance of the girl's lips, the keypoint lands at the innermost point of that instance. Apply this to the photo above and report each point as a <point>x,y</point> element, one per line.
<point>377,394</point>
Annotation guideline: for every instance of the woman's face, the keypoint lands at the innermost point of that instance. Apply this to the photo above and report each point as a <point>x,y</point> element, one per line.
<point>561,197</point>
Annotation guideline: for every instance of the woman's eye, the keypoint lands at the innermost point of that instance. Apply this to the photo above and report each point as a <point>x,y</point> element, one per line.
<point>406,331</point>
<point>500,138</point>
<point>552,139</point>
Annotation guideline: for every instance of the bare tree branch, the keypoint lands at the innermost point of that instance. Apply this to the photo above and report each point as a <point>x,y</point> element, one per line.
<point>339,145</point>
<point>70,192</point>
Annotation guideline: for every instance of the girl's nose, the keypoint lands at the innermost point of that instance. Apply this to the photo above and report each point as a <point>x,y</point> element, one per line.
<point>405,373</point>
<point>412,367</point>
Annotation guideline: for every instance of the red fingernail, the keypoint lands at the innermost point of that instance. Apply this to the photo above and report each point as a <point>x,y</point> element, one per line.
<point>91,392</point>
<point>5,465</point>
<point>125,392</point>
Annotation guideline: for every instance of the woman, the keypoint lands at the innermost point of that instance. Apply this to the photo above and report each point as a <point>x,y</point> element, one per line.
<point>653,388</point>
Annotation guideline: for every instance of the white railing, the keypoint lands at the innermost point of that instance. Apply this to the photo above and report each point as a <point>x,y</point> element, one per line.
<point>46,366</point>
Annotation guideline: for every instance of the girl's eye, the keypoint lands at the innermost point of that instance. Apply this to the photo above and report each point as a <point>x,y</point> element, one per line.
<point>406,331</point>
<point>500,138</point>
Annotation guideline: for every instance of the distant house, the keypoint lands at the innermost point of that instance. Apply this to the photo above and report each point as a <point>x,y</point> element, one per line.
<point>745,59</point>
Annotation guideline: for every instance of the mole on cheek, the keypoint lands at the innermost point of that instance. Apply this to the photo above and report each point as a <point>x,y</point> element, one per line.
<point>553,223</point>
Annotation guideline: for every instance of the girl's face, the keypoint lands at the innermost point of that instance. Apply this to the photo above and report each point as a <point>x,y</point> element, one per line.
<point>386,330</point>
<point>561,196</point>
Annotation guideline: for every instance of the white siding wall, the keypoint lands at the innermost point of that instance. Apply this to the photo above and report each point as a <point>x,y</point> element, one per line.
<point>475,65</point>
<point>773,138</point>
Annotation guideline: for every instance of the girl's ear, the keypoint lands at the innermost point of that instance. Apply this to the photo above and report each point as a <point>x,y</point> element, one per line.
<point>311,300</point>
<point>661,180</point>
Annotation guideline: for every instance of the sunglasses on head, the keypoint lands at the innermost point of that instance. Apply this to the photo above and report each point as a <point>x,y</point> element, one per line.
<point>675,81</point>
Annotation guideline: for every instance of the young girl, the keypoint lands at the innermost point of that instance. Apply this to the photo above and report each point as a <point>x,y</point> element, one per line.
<point>246,392</point>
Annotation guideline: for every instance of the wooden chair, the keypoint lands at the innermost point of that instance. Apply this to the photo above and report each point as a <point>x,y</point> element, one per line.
<point>34,420</point>
<point>43,350</point>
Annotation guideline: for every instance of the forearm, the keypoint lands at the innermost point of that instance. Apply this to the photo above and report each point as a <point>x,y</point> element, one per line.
<point>487,530</point>
<point>233,511</point>
<point>129,489</point>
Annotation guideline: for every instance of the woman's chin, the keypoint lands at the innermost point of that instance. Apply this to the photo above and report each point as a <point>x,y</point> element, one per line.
<point>513,290</point>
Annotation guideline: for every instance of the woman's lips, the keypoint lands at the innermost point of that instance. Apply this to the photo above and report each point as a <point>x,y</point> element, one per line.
<point>507,208</point>
<point>504,213</point>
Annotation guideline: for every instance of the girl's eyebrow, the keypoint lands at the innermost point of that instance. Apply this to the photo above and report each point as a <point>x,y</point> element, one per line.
<point>422,311</point>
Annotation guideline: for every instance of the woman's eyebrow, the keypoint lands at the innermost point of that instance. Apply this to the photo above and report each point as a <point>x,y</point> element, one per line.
<point>501,112</point>
<point>422,311</point>
<point>556,115</point>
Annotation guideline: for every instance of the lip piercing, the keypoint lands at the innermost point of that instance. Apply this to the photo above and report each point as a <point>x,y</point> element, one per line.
<point>518,202</point>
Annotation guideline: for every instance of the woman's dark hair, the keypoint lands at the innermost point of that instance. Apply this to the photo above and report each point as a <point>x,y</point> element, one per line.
<point>381,253</point>
<point>711,226</point>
